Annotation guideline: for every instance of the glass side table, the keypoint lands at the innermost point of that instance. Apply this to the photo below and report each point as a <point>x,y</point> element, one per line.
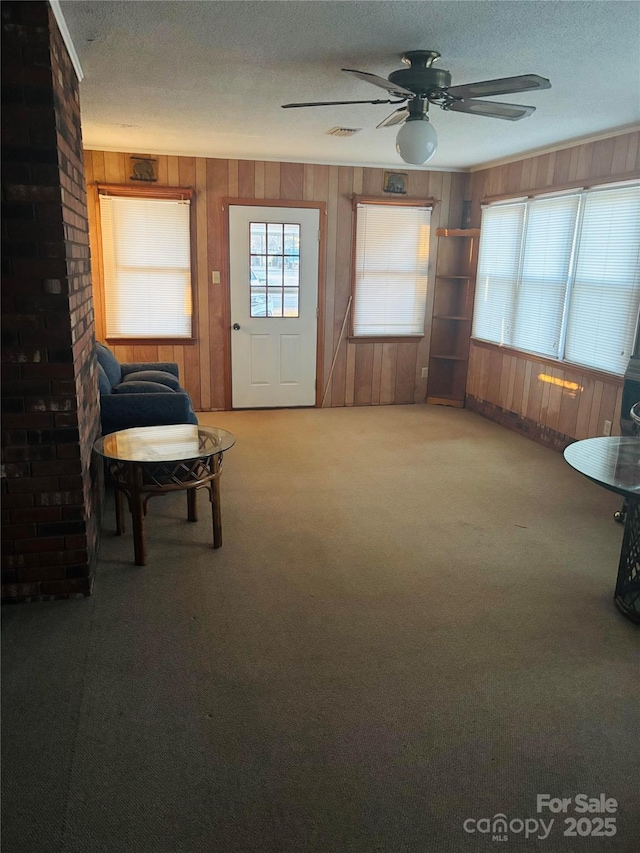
<point>149,461</point>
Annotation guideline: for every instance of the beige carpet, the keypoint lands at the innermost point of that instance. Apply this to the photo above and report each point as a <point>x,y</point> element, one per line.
<point>410,624</point>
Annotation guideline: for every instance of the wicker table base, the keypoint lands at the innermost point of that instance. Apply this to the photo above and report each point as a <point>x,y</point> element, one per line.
<point>148,461</point>
<point>139,482</point>
<point>614,462</point>
<point>627,594</point>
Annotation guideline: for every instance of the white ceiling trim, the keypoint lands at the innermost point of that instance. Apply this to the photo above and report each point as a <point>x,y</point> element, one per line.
<point>66,37</point>
<point>569,143</point>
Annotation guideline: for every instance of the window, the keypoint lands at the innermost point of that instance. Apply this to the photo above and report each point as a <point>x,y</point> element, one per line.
<point>275,269</point>
<point>560,276</point>
<point>390,271</point>
<point>146,250</point>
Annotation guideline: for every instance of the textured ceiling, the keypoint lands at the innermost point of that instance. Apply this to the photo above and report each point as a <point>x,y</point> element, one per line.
<point>208,78</point>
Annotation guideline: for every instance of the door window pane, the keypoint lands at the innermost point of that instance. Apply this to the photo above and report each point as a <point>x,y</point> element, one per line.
<point>274,238</point>
<point>292,239</point>
<point>259,302</point>
<point>274,302</point>
<point>258,238</point>
<point>274,262</point>
<point>291,297</point>
<point>274,272</point>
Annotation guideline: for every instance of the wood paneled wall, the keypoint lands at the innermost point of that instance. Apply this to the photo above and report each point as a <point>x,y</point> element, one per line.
<point>365,373</point>
<point>617,156</point>
<point>510,380</point>
<point>567,400</point>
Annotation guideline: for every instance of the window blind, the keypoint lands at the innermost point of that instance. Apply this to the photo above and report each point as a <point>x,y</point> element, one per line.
<point>559,276</point>
<point>547,251</point>
<point>603,310</point>
<point>147,267</point>
<point>391,269</point>
<point>498,267</point>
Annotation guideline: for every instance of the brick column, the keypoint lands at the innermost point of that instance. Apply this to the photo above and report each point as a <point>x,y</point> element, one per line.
<point>51,487</point>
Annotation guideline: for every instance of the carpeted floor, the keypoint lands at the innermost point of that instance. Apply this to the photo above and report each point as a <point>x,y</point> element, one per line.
<point>410,624</point>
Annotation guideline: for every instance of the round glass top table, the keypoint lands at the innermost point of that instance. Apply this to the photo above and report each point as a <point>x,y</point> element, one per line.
<point>149,461</point>
<point>614,462</point>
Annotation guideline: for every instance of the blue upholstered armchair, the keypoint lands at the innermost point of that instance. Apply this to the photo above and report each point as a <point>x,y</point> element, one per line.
<point>140,394</point>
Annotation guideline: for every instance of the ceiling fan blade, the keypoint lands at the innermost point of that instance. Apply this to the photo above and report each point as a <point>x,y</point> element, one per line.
<point>331,103</point>
<point>379,81</point>
<point>396,117</point>
<point>491,109</point>
<point>502,86</point>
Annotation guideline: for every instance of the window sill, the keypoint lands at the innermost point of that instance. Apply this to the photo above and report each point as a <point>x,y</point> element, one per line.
<point>384,339</point>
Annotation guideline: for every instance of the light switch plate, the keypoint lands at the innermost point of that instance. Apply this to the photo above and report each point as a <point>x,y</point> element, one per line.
<point>215,276</point>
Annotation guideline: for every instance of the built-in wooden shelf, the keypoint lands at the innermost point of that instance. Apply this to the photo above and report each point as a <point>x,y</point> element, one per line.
<point>452,315</point>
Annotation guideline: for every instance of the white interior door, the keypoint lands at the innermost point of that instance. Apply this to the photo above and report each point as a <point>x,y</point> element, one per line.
<point>273,267</point>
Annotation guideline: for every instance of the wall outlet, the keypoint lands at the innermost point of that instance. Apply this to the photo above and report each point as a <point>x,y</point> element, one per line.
<point>607,428</point>
<point>425,370</point>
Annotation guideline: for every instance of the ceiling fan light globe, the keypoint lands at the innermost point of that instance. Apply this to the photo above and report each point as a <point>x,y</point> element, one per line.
<point>416,141</point>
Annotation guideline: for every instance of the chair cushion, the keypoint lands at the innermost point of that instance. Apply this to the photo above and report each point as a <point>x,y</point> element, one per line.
<point>142,388</point>
<point>109,363</point>
<point>104,385</point>
<point>160,376</point>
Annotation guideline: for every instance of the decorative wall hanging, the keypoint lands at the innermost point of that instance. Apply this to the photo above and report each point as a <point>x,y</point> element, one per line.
<point>395,182</point>
<point>143,169</point>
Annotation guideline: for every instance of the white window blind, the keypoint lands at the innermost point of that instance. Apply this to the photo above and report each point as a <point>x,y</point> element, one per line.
<point>391,269</point>
<point>548,243</point>
<point>498,267</point>
<point>559,276</point>
<point>605,297</point>
<point>146,253</point>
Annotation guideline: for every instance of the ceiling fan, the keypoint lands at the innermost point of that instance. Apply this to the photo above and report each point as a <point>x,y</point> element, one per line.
<point>421,84</point>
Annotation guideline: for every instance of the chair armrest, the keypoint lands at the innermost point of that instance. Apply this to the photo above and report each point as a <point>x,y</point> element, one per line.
<point>125,411</point>
<point>135,366</point>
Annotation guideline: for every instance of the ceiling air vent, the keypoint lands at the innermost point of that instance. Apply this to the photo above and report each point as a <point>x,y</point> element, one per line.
<point>343,131</point>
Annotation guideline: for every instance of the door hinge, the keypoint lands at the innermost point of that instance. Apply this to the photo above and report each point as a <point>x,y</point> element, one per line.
<point>319,235</point>
<point>317,312</point>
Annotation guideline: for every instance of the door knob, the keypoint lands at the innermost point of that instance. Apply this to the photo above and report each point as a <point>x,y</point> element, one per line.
<point>236,326</point>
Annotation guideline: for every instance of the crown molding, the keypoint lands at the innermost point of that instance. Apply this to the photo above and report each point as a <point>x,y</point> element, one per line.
<point>66,37</point>
<point>560,146</point>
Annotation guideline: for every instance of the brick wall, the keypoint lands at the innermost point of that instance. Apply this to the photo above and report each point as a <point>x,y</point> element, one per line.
<point>51,487</point>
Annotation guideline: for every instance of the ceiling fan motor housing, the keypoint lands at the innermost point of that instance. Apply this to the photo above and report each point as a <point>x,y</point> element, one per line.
<point>421,81</point>
<point>420,78</point>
